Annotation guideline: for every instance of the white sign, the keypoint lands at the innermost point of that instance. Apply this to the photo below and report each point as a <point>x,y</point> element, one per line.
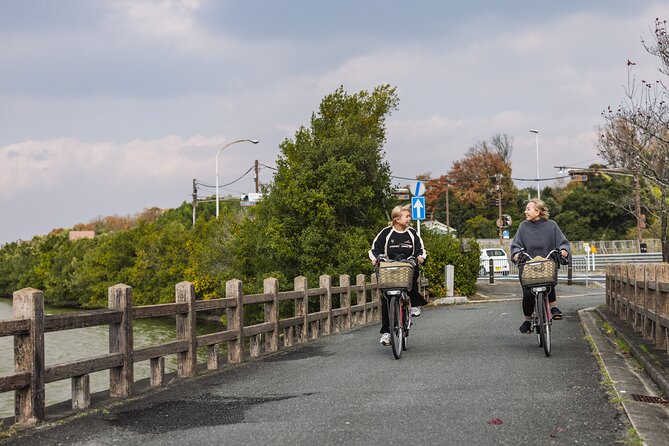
<point>417,188</point>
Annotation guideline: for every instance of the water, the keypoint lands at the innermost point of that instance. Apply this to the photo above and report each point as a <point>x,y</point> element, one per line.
<point>81,343</point>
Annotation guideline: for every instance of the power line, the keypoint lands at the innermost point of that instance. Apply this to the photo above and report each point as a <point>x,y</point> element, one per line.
<point>200,183</point>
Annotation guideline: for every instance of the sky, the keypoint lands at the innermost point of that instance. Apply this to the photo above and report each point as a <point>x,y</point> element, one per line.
<point>108,107</point>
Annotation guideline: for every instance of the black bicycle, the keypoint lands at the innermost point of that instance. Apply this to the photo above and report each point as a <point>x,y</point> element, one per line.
<point>395,280</point>
<point>539,275</point>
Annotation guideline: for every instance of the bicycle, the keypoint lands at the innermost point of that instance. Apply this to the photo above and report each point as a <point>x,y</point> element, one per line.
<point>395,281</point>
<point>539,275</point>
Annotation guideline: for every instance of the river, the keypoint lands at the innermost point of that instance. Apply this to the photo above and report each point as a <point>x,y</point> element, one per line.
<point>81,343</point>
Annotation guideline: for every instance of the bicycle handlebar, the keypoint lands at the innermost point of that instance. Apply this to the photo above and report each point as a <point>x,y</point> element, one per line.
<point>548,256</point>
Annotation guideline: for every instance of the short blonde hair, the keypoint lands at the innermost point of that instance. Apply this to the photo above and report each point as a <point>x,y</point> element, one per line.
<point>396,213</point>
<point>540,206</point>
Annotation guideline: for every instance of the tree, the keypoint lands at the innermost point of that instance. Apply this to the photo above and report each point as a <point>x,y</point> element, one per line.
<point>329,196</point>
<point>635,137</point>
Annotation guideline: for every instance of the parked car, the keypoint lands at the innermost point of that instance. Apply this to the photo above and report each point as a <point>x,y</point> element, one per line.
<point>499,258</point>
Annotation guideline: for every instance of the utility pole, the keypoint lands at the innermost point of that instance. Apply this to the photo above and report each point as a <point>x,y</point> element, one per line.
<point>500,222</point>
<point>194,199</point>
<point>257,167</point>
<point>448,218</point>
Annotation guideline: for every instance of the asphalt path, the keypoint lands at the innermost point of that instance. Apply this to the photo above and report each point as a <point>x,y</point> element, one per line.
<point>469,377</point>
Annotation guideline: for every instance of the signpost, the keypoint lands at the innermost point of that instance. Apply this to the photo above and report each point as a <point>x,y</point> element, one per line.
<point>417,202</point>
<point>418,208</point>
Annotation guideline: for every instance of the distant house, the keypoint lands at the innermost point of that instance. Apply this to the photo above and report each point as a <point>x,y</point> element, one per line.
<point>77,235</point>
<point>438,227</point>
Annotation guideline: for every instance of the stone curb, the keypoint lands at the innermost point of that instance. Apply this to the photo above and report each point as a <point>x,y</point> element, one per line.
<point>448,301</point>
<point>658,373</point>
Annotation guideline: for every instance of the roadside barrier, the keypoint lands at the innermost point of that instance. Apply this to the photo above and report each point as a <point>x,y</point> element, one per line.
<point>639,295</point>
<point>243,342</point>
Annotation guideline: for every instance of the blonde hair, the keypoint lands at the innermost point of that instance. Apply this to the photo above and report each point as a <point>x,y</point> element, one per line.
<point>540,206</point>
<point>396,213</point>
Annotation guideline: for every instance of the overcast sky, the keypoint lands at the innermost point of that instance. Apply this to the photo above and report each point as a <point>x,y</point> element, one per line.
<point>110,107</point>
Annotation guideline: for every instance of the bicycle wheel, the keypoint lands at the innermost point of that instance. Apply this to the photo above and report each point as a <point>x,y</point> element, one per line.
<point>396,331</point>
<point>545,325</point>
<point>536,325</point>
<point>406,316</point>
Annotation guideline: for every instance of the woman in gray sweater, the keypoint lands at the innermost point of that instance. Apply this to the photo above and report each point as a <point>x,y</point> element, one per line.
<point>537,236</point>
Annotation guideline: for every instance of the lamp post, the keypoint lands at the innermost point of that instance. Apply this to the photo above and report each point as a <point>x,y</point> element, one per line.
<point>536,141</point>
<point>253,141</point>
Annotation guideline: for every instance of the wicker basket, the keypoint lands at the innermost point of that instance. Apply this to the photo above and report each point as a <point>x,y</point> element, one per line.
<point>395,275</point>
<point>538,271</point>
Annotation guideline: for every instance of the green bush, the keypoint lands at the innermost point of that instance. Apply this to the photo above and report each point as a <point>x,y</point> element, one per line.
<point>445,250</point>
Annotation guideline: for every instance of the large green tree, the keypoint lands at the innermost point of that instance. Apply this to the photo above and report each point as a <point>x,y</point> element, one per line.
<point>329,196</point>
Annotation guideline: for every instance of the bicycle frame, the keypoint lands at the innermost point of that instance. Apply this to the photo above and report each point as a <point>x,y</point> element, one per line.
<point>399,303</point>
<point>399,317</point>
<point>541,318</point>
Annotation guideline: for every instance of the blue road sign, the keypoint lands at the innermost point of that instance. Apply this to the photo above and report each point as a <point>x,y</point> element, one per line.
<point>418,208</point>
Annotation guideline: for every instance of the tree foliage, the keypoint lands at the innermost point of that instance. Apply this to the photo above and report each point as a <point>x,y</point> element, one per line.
<point>635,136</point>
<point>329,196</point>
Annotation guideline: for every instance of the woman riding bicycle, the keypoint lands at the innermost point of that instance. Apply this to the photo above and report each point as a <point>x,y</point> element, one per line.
<point>537,236</point>
<point>396,241</point>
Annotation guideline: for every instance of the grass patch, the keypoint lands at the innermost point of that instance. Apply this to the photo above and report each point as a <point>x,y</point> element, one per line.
<point>633,438</point>
<point>622,345</point>
<point>608,329</point>
<point>607,382</point>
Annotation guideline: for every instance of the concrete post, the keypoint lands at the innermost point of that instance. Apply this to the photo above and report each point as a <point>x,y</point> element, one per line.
<point>450,276</point>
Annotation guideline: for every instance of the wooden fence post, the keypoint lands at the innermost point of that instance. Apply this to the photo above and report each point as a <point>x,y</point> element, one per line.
<point>639,287</point>
<point>302,308</point>
<point>271,286</point>
<point>649,301</point>
<point>345,300</point>
<point>235,315</point>
<point>29,356</point>
<point>361,298</point>
<point>375,313</point>
<point>81,392</point>
<point>325,281</point>
<point>662,305</point>
<point>186,330</point>
<point>121,379</point>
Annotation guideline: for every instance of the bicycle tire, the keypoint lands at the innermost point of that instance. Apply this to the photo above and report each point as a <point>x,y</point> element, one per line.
<point>536,320</point>
<point>395,324</point>
<point>406,315</point>
<point>545,325</point>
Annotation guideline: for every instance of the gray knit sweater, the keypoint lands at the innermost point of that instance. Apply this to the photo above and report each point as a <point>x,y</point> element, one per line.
<point>538,238</point>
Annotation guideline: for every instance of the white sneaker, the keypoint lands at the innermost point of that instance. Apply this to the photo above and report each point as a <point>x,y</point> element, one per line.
<point>415,311</point>
<point>385,339</point>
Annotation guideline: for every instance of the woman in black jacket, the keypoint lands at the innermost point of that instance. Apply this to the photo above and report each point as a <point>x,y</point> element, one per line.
<point>395,241</point>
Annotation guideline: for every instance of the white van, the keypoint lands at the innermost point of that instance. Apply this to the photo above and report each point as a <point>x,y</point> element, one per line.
<point>499,258</point>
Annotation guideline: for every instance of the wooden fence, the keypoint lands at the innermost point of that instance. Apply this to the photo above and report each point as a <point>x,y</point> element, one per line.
<point>243,342</point>
<point>639,295</point>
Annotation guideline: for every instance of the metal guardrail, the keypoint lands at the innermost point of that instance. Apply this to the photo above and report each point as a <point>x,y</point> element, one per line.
<point>579,263</point>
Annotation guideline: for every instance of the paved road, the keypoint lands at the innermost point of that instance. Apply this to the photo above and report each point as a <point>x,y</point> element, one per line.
<point>469,377</point>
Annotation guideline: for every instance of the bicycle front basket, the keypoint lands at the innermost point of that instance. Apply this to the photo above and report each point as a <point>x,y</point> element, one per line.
<point>395,275</point>
<point>538,271</point>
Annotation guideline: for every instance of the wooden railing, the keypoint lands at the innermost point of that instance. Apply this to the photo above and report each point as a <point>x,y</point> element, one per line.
<point>639,295</point>
<point>273,334</point>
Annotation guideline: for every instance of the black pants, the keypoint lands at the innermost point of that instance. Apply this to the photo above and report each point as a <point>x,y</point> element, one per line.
<point>528,300</point>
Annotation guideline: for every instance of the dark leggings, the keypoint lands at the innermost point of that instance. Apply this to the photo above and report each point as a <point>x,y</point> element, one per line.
<point>528,300</point>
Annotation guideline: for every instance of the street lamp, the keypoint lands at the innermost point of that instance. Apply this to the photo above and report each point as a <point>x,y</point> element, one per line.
<point>254,141</point>
<point>536,141</point>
